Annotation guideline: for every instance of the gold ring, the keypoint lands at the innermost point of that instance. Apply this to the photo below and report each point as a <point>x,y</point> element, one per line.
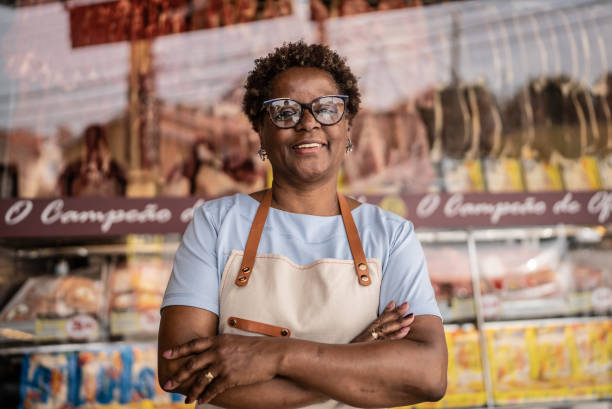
<point>374,334</point>
<point>208,375</point>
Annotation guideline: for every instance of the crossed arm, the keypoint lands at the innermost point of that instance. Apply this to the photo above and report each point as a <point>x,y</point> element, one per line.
<point>261,372</point>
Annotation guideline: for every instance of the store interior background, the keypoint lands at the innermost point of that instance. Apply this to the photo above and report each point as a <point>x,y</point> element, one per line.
<point>487,123</point>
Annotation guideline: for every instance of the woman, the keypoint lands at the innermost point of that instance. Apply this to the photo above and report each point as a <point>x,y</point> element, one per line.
<point>325,268</point>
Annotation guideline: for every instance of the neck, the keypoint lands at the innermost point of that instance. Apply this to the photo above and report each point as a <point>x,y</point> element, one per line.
<point>316,200</point>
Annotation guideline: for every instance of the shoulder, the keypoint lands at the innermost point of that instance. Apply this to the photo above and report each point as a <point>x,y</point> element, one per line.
<point>384,228</point>
<point>216,211</point>
<point>375,216</point>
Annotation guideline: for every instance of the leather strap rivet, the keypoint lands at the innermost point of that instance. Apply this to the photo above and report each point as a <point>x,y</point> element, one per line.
<point>245,269</point>
<point>362,267</point>
<point>365,278</point>
<point>232,323</point>
<point>284,332</point>
<point>242,279</point>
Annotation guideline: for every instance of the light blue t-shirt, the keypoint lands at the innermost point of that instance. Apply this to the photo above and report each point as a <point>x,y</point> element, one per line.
<point>222,225</point>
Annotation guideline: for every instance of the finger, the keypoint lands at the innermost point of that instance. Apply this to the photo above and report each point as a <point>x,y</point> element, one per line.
<point>218,386</point>
<point>396,325</point>
<point>390,306</point>
<point>196,345</point>
<point>188,369</point>
<point>204,378</point>
<point>392,315</point>
<point>403,308</point>
<point>401,333</point>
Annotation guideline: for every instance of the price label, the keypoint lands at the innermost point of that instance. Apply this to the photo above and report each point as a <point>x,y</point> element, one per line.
<point>491,306</point>
<point>601,298</point>
<point>82,327</point>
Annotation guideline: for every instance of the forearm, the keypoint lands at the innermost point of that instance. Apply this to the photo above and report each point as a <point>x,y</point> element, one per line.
<point>388,373</point>
<point>278,393</point>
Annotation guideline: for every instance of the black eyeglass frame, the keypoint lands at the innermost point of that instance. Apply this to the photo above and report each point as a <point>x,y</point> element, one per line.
<point>305,106</point>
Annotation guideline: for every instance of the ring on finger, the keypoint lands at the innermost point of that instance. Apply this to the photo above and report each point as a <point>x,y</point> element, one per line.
<point>374,334</point>
<point>209,376</point>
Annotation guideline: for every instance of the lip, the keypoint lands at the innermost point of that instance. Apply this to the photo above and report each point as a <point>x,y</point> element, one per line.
<point>295,145</point>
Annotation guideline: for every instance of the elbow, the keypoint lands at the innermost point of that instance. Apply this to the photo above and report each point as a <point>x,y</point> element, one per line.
<point>435,384</point>
<point>432,385</point>
<point>435,391</point>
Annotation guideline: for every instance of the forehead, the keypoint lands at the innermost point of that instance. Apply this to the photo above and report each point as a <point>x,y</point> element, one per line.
<point>303,84</point>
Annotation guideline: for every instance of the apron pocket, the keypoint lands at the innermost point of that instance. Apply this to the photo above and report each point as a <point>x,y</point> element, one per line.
<point>258,327</point>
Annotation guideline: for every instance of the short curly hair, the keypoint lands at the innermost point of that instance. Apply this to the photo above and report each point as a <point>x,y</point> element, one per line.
<point>297,54</point>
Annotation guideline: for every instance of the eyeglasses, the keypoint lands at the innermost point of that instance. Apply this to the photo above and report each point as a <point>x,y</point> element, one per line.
<point>286,112</point>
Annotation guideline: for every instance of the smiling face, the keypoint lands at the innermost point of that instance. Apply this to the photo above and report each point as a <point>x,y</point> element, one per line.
<point>309,153</point>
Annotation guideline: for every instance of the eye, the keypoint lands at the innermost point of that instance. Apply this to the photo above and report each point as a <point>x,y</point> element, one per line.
<point>284,114</point>
<point>327,109</point>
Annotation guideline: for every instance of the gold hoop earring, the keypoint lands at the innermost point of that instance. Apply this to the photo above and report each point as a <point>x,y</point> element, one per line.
<point>263,155</point>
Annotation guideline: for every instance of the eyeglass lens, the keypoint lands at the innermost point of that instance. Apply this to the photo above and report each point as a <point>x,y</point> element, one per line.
<point>286,113</point>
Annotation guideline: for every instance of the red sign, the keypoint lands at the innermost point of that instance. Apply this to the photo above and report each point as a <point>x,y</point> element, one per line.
<point>63,217</point>
<point>123,20</point>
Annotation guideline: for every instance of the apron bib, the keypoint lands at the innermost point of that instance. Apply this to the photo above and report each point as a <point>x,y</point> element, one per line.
<point>328,300</point>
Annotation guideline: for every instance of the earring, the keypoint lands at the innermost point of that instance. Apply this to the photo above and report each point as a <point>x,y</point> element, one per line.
<point>263,155</point>
<point>349,146</point>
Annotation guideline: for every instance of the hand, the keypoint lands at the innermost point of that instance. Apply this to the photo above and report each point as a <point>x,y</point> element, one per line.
<point>221,362</point>
<point>391,324</point>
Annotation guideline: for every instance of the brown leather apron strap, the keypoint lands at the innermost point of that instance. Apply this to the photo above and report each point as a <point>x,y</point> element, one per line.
<point>250,251</point>
<point>361,265</point>
<point>258,327</point>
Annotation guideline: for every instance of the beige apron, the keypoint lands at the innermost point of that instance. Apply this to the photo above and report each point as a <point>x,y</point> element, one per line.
<point>324,301</point>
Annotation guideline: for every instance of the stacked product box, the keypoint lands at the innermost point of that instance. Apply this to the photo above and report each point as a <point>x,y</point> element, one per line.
<point>94,378</point>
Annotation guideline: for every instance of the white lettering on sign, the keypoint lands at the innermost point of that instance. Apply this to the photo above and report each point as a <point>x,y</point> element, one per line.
<point>428,205</point>
<point>187,214</point>
<point>601,205</point>
<point>456,207</point>
<point>54,213</point>
<point>567,205</point>
<point>17,212</point>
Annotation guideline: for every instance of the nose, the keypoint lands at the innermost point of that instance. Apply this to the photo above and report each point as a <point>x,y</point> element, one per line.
<point>307,123</point>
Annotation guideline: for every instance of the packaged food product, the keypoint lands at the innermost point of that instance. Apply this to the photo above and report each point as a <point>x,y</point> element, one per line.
<point>591,280</point>
<point>138,285</point>
<point>591,349</point>
<point>526,279</point>
<point>510,365</point>
<point>54,297</point>
<point>47,381</point>
<point>465,378</point>
<point>449,272</point>
<point>550,359</point>
<point>143,377</point>
<point>103,376</point>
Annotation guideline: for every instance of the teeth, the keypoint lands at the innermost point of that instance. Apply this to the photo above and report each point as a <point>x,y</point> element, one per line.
<point>307,145</point>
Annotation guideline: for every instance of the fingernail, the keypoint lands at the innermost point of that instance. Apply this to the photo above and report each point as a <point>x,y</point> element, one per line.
<point>168,385</point>
<point>404,304</point>
<point>405,329</point>
<point>390,306</point>
<point>410,315</point>
<point>167,353</point>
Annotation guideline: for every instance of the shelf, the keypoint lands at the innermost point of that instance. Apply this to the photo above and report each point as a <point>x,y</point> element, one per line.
<point>98,250</point>
<point>71,347</point>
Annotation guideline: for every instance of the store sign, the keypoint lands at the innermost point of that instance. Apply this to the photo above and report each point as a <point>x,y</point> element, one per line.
<point>95,217</point>
<point>118,216</point>
<point>100,22</point>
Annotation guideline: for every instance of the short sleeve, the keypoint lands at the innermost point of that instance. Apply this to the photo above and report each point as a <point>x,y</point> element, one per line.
<point>194,280</point>
<point>405,276</point>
